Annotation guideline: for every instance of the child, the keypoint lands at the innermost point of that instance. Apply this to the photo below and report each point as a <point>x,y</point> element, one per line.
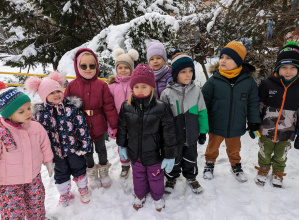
<point>279,111</point>
<point>157,59</point>
<point>24,146</point>
<point>190,117</point>
<point>231,96</point>
<point>67,130</point>
<point>98,107</point>
<point>119,87</point>
<point>146,136</point>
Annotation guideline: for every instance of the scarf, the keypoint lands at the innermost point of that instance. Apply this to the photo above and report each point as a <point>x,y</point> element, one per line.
<point>161,72</point>
<point>230,73</point>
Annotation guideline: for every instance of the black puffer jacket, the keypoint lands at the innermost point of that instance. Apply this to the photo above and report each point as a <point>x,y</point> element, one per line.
<point>147,130</point>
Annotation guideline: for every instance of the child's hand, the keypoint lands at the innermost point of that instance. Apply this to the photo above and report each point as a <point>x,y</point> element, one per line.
<point>167,164</point>
<point>253,127</point>
<point>114,133</point>
<point>122,153</point>
<point>202,139</point>
<point>50,168</point>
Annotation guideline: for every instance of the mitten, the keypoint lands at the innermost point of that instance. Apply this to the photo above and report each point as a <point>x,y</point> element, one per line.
<point>114,133</point>
<point>253,127</point>
<point>167,164</point>
<point>296,143</point>
<point>122,153</point>
<point>50,168</point>
<point>202,139</point>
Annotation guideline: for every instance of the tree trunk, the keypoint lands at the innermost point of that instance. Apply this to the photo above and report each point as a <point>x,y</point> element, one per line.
<point>204,69</point>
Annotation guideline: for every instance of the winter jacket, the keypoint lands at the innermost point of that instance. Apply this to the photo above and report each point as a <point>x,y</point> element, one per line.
<point>120,90</point>
<point>66,126</point>
<point>161,82</point>
<point>279,104</point>
<point>23,149</point>
<point>230,104</point>
<point>96,96</point>
<point>146,129</point>
<point>189,111</point>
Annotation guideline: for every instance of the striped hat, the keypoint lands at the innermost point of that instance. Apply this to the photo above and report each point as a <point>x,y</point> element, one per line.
<point>180,61</point>
<point>288,55</point>
<point>236,50</point>
<point>10,100</point>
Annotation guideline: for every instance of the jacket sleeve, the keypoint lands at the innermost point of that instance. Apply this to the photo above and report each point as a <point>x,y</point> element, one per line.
<point>202,115</point>
<point>208,92</point>
<point>81,133</point>
<point>253,110</point>
<point>163,97</point>
<point>45,145</point>
<point>262,98</point>
<point>109,107</point>
<point>121,136</point>
<point>169,149</point>
<point>67,90</point>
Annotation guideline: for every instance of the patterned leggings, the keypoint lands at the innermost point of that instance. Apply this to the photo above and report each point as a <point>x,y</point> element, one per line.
<point>18,201</point>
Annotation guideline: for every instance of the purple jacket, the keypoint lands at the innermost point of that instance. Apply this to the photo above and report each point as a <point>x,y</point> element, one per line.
<point>162,78</point>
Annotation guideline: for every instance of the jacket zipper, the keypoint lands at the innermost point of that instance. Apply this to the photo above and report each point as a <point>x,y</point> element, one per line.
<point>141,131</point>
<point>186,133</point>
<point>230,108</point>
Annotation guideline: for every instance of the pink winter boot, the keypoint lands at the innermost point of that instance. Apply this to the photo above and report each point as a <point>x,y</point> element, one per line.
<point>64,191</point>
<point>82,182</point>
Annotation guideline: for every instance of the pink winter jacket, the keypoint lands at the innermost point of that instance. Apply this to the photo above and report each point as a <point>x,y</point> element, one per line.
<point>21,165</point>
<point>120,90</point>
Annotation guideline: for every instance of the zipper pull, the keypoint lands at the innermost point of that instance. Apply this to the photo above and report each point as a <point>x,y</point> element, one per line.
<point>140,106</point>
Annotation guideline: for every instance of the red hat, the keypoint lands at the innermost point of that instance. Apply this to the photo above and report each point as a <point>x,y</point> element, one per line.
<point>2,85</point>
<point>143,73</point>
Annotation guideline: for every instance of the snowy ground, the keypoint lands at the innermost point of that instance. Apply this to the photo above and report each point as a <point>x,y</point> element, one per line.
<point>223,197</point>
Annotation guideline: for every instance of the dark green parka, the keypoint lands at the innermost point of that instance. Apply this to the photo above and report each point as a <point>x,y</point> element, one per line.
<point>230,104</point>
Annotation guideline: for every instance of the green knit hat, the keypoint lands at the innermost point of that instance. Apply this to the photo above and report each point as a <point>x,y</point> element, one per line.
<point>10,100</point>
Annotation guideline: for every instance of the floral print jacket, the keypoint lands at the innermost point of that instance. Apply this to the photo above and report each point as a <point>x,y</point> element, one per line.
<point>66,126</point>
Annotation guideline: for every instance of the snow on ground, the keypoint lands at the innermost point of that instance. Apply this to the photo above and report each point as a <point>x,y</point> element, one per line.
<point>223,197</point>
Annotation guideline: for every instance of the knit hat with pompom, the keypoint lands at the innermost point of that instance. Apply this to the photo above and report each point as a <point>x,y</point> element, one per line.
<point>125,58</point>
<point>288,55</point>
<point>43,87</point>
<point>143,73</point>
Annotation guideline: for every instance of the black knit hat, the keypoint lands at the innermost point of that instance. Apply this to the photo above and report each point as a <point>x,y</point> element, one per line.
<point>181,61</point>
<point>288,55</point>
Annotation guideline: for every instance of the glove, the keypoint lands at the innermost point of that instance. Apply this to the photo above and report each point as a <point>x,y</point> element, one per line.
<point>50,168</point>
<point>167,164</point>
<point>253,127</point>
<point>296,143</point>
<point>202,139</point>
<point>122,153</point>
<point>114,133</point>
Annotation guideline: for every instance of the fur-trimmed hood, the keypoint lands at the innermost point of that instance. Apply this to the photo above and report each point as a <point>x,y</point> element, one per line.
<point>246,68</point>
<point>72,100</point>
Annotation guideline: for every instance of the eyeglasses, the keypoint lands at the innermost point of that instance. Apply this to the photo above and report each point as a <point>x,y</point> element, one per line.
<point>91,66</point>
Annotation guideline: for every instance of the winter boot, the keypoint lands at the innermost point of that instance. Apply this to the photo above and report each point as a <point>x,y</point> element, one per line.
<point>125,167</point>
<point>195,186</point>
<point>261,176</point>
<point>93,178</point>
<point>160,204</point>
<point>64,191</point>
<point>104,174</point>
<point>277,178</point>
<point>138,202</point>
<point>169,186</point>
<point>238,173</point>
<point>208,171</point>
<point>81,182</point>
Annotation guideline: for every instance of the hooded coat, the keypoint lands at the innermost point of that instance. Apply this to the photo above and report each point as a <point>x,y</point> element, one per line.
<point>230,105</point>
<point>96,96</point>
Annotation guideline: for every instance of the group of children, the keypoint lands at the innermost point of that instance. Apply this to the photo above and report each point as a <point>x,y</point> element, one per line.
<point>157,115</point>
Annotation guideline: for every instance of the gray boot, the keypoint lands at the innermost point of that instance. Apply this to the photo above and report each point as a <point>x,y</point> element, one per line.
<point>93,177</point>
<point>104,175</point>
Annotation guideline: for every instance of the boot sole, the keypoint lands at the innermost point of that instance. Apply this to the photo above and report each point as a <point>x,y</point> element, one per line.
<point>259,183</point>
<point>159,210</point>
<point>276,186</point>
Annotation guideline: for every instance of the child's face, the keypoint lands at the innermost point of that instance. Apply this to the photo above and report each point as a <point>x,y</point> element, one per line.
<point>156,62</point>
<point>123,70</point>
<point>142,90</point>
<point>55,97</point>
<point>22,115</point>
<point>288,71</point>
<point>227,63</point>
<point>185,76</point>
<point>88,65</point>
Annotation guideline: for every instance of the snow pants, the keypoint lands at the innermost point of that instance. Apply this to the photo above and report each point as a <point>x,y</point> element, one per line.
<point>72,164</point>
<point>279,151</point>
<point>148,179</point>
<point>233,148</point>
<point>23,200</point>
<point>101,150</point>
<point>185,162</point>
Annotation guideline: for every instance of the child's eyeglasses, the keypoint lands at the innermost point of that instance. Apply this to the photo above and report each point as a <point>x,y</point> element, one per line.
<point>91,66</point>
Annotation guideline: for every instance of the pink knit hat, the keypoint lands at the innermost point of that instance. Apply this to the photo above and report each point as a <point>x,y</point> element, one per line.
<point>43,87</point>
<point>143,73</point>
